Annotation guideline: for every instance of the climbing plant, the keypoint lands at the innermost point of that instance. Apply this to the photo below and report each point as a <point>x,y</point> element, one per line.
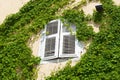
<point>16,59</point>
<point>102,59</point>
<point>83,31</point>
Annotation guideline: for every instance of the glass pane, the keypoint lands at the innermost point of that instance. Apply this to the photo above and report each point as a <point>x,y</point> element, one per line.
<point>69,44</point>
<point>50,47</point>
<point>52,28</point>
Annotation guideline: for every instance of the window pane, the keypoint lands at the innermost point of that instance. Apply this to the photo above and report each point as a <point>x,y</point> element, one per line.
<point>52,28</point>
<point>50,47</point>
<point>69,44</point>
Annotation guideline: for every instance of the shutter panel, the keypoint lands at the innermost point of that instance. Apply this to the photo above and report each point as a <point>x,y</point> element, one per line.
<point>50,47</point>
<point>68,44</point>
<point>52,28</point>
<point>52,40</point>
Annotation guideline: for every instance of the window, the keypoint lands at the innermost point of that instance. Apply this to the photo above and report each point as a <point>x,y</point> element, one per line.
<point>59,42</point>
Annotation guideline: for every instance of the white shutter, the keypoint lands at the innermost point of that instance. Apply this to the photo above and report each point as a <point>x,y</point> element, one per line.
<point>52,40</point>
<point>67,42</point>
<point>50,47</point>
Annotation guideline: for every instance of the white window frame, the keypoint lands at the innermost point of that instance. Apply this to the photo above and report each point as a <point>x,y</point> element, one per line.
<point>59,43</point>
<point>42,49</point>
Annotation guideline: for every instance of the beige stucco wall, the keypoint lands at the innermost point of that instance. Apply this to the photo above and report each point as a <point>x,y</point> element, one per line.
<point>117,2</point>
<point>8,7</point>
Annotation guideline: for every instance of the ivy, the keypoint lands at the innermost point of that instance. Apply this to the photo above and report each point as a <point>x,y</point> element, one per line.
<point>102,59</point>
<point>76,17</point>
<point>16,59</point>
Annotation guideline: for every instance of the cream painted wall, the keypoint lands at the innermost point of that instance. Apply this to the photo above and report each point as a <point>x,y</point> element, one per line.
<point>8,7</point>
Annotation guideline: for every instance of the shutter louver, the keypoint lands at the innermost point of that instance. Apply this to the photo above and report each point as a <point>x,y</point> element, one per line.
<point>50,47</point>
<point>68,44</point>
<point>52,28</point>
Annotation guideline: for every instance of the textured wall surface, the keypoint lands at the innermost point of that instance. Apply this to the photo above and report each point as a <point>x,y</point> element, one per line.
<point>8,7</point>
